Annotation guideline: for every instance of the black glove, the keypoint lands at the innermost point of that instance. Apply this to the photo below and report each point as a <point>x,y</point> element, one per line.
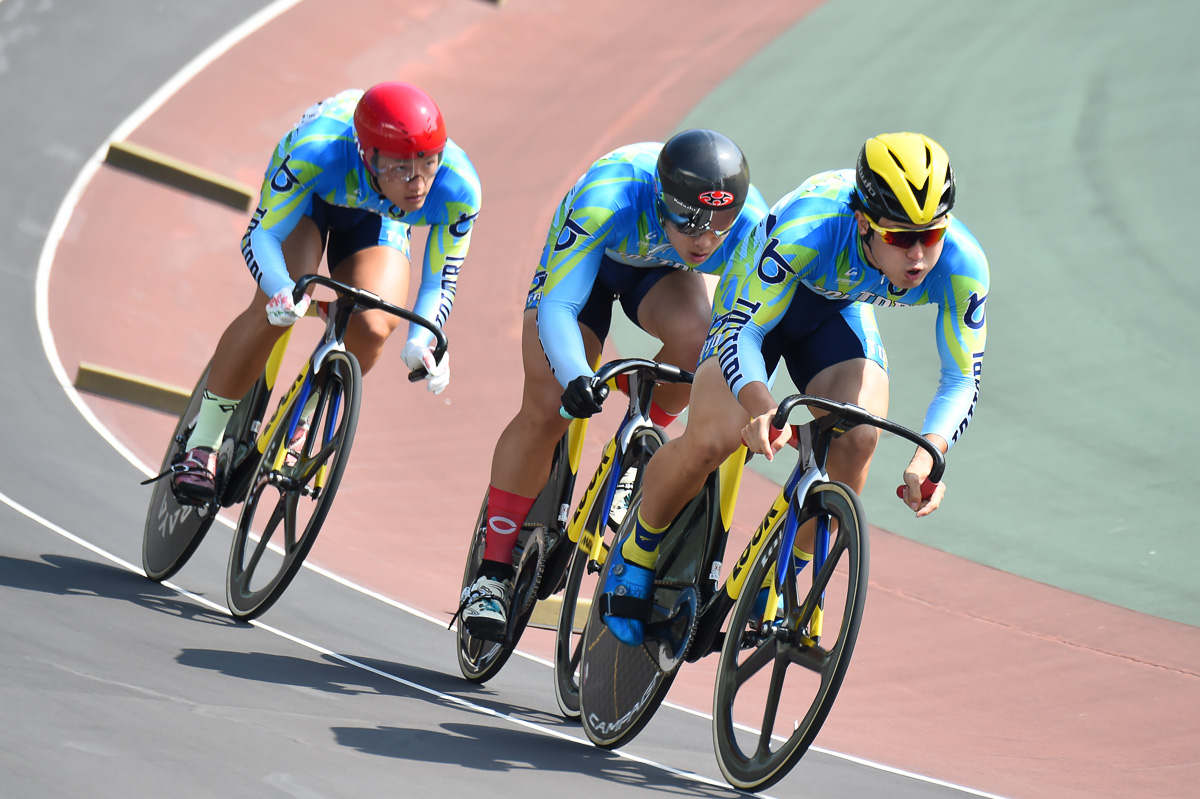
<point>582,399</point>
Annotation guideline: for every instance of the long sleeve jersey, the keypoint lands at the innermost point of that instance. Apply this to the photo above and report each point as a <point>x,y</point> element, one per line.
<point>611,211</point>
<point>319,158</point>
<point>809,242</point>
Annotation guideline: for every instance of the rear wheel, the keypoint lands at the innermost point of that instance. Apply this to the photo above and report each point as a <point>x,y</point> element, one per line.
<point>780,671</point>
<point>480,659</point>
<point>174,531</point>
<point>568,645</point>
<point>294,487</point>
<point>621,686</point>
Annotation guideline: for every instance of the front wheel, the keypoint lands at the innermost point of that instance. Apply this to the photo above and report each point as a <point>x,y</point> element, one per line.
<point>174,531</point>
<point>568,642</point>
<point>294,484</point>
<point>781,668</point>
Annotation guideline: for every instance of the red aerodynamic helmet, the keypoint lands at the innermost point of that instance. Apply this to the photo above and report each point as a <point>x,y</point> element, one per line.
<point>398,120</point>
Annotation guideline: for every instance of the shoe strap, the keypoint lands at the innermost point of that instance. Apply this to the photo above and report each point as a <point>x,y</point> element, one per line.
<point>626,607</point>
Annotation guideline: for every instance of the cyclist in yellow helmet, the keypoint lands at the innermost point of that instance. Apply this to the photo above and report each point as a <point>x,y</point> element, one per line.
<point>803,286</point>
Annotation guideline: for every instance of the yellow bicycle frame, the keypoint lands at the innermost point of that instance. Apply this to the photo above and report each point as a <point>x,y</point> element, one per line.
<point>271,374</point>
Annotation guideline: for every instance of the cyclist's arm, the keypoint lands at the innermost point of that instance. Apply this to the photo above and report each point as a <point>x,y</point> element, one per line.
<point>753,295</point>
<point>445,250</point>
<point>961,333</point>
<point>571,260</point>
<point>282,202</point>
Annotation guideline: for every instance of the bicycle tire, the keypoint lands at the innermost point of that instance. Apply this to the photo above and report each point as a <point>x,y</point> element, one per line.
<point>173,531</point>
<point>478,659</point>
<point>568,644</point>
<point>756,659</point>
<point>621,686</point>
<point>251,585</point>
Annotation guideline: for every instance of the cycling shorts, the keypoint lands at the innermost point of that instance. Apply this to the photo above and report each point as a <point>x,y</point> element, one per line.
<point>618,281</point>
<point>816,333</point>
<point>346,231</point>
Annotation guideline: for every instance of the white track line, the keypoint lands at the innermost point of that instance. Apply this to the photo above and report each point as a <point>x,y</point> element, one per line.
<point>450,698</point>
<point>42,305</point>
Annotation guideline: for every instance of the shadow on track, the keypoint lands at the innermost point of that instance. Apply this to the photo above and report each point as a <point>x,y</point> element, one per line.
<point>67,576</point>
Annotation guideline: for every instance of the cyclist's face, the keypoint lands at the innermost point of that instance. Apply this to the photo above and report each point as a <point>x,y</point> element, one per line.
<point>406,181</point>
<point>904,267</point>
<point>696,249</point>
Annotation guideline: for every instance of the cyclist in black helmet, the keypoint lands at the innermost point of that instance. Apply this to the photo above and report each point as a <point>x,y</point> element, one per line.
<point>640,227</point>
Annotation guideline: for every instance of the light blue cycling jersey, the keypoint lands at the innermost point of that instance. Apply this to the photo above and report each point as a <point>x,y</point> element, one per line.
<point>611,211</point>
<point>319,158</point>
<point>809,242</point>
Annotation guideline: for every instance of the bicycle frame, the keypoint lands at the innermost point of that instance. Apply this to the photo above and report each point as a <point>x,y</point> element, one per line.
<point>251,429</point>
<point>603,485</point>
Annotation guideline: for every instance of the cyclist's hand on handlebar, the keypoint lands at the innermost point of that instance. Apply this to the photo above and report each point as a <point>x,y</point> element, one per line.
<point>437,373</point>
<point>583,399</point>
<point>763,439</point>
<point>282,310</point>
<point>917,492</point>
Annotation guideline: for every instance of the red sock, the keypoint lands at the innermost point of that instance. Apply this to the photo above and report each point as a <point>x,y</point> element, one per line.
<point>659,416</point>
<point>506,514</point>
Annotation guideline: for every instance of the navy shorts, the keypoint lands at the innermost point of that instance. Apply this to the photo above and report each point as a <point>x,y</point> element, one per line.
<point>816,333</point>
<point>345,231</point>
<point>618,281</point>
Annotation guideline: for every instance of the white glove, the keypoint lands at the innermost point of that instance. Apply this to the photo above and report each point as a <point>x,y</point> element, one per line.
<point>437,373</point>
<point>281,311</point>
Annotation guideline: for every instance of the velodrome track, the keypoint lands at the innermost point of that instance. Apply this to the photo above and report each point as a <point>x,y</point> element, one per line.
<point>109,697</point>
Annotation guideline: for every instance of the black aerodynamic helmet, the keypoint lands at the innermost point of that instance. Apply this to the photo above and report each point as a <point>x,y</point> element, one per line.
<point>701,173</point>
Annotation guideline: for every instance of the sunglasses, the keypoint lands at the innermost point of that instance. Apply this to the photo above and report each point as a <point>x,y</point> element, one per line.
<point>907,237</point>
<point>690,226</point>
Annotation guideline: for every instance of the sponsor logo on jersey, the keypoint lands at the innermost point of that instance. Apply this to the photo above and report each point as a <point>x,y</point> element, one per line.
<point>974,307</point>
<point>463,226</point>
<point>571,232</point>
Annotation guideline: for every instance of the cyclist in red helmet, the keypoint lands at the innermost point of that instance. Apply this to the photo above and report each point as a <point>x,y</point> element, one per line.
<point>348,181</point>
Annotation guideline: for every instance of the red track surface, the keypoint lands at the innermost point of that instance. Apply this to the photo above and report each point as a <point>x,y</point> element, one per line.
<point>962,672</point>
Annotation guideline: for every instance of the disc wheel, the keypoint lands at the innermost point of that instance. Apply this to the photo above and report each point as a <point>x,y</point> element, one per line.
<point>779,672</point>
<point>568,643</point>
<point>292,491</point>
<point>174,531</point>
<point>621,686</point>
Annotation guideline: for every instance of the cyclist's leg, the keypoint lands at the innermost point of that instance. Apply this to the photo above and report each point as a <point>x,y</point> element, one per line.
<point>239,359</point>
<point>674,475</point>
<point>245,346</point>
<point>520,467</point>
<point>843,360</point>
<point>678,470</point>
<point>371,253</point>
<point>676,310</point>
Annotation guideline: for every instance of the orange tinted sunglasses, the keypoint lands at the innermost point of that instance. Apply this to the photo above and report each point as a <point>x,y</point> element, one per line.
<point>906,237</point>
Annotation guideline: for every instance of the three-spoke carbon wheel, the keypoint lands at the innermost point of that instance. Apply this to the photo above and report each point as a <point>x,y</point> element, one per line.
<point>780,671</point>
<point>173,531</point>
<point>568,644</point>
<point>291,492</point>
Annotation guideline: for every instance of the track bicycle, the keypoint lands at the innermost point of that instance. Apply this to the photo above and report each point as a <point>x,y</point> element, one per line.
<point>788,641</point>
<point>544,558</point>
<point>288,466</point>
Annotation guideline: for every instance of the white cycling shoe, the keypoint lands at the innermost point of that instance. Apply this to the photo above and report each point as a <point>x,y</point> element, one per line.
<point>485,608</point>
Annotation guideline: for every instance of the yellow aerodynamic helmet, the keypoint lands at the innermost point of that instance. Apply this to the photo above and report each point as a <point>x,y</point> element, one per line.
<point>906,177</point>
